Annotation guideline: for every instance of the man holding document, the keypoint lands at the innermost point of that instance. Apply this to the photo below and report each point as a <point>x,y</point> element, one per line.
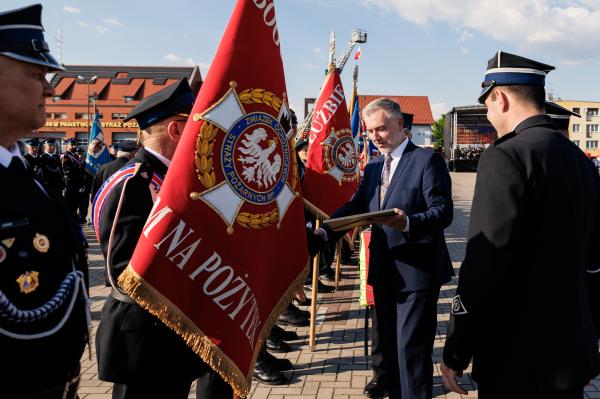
<point>409,260</point>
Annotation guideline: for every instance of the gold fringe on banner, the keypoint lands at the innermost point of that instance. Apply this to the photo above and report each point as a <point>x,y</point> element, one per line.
<point>158,305</point>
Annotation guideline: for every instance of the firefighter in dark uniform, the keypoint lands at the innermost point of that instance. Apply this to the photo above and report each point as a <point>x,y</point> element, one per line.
<point>527,297</point>
<point>136,351</point>
<point>73,170</point>
<point>33,158</point>
<point>126,151</point>
<point>43,267</point>
<point>51,167</point>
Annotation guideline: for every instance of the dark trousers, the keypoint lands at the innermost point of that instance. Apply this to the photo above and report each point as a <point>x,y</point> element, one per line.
<point>407,325</point>
<point>489,392</point>
<point>376,353</point>
<point>209,386</point>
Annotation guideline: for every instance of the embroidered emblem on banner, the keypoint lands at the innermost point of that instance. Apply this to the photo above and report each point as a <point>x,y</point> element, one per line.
<point>254,151</point>
<point>458,307</point>
<point>3,254</point>
<point>340,158</point>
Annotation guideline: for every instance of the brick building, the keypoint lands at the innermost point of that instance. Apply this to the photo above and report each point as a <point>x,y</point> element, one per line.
<point>115,90</point>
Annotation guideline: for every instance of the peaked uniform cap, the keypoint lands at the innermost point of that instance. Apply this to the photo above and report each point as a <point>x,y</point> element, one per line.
<point>556,111</point>
<point>33,142</point>
<point>506,69</point>
<point>22,37</point>
<point>173,100</point>
<point>127,146</point>
<point>70,141</point>
<point>50,141</point>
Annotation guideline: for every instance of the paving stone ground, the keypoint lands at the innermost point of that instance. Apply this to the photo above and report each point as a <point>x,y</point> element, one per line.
<point>338,368</point>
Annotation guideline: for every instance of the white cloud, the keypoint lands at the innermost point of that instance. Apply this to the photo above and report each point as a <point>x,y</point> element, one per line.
<point>71,10</point>
<point>112,21</point>
<point>102,30</point>
<point>318,50</point>
<point>174,58</point>
<point>437,109</point>
<point>566,29</point>
<point>83,24</point>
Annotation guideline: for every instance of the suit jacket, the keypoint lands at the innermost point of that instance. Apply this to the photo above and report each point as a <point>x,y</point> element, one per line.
<point>131,343</point>
<point>416,260</point>
<point>27,213</point>
<point>523,311</point>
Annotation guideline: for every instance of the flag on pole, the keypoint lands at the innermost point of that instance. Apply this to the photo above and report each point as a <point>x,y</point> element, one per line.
<point>331,176</point>
<point>357,54</point>
<point>97,153</point>
<point>229,214</point>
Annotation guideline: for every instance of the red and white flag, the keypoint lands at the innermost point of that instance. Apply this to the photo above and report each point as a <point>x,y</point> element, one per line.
<point>331,176</point>
<point>357,54</point>
<point>224,248</point>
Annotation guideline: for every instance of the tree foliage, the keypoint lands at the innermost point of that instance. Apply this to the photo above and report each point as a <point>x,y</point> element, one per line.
<point>437,131</point>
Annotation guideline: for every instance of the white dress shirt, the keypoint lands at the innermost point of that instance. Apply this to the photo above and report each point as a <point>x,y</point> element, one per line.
<point>396,155</point>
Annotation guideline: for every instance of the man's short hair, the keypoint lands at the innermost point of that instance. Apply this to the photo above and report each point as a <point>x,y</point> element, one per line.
<point>391,107</point>
<point>534,95</point>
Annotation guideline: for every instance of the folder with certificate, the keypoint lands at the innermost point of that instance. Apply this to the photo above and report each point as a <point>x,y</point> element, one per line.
<point>348,222</point>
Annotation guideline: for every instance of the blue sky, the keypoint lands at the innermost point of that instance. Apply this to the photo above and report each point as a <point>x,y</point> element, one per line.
<point>437,48</point>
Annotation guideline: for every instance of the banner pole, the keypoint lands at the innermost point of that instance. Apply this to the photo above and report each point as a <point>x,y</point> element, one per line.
<point>313,301</point>
<point>338,263</point>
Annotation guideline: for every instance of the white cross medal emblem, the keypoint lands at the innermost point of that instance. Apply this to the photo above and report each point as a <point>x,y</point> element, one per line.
<point>254,157</point>
<point>340,156</point>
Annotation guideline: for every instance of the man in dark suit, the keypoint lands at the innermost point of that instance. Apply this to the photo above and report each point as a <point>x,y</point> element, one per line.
<point>126,151</point>
<point>409,260</point>
<point>527,297</point>
<point>43,265</point>
<point>135,350</point>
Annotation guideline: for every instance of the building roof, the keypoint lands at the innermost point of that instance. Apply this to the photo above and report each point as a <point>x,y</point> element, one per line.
<point>417,105</point>
<point>113,82</point>
<point>124,74</point>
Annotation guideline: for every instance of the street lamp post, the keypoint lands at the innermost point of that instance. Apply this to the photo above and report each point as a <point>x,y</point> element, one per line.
<point>89,100</point>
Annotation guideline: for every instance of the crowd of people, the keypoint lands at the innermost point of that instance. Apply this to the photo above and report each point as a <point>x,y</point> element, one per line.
<point>65,172</point>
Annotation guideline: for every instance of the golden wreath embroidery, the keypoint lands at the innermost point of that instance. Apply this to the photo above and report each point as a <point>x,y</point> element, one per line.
<point>255,156</point>
<point>204,155</point>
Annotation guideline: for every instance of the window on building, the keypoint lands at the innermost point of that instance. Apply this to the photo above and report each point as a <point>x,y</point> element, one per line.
<point>576,142</point>
<point>592,128</point>
<point>592,112</point>
<point>60,115</point>
<point>79,115</point>
<point>56,99</point>
<point>575,127</point>
<point>49,115</point>
<point>128,99</point>
<point>591,144</point>
<point>118,116</point>
<point>82,139</point>
<point>576,110</point>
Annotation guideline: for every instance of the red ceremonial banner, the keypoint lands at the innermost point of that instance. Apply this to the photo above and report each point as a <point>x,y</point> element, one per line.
<point>224,248</point>
<point>331,176</point>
